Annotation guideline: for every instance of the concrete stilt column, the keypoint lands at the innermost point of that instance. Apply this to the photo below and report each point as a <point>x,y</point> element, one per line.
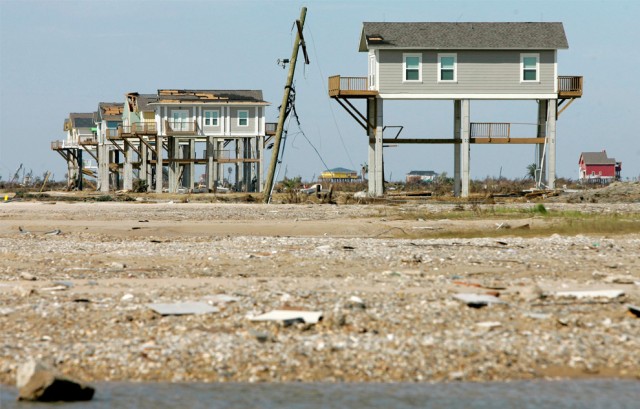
<point>218,174</point>
<point>127,170</point>
<point>210,162</point>
<point>237,165</point>
<point>465,132</point>
<point>551,143</point>
<point>456,147</point>
<point>103,167</point>
<point>260,167</point>
<point>371,116</point>
<point>379,159</point>
<point>192,166</point>
<point>142,173</point>
<point>542,133</point>
<point>159,151</point>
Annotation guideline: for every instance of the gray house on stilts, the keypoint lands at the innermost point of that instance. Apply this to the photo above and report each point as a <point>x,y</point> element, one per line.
<point>461,62</point>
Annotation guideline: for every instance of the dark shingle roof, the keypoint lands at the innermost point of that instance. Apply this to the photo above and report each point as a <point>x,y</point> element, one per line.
<point>422,173</point>
<point>209,95</point>
<point>597,158</point>
<point>82,120</point>
<point>441,36</point>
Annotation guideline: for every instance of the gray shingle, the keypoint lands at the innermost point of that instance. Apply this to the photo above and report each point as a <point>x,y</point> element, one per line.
<point>442,36</point>
<point>597,158</point>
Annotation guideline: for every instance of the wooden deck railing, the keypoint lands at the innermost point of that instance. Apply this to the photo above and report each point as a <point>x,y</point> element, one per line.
<point>490,130</point>
<point>570,86</point>
<point>270,128</point>
<point>179,127</point>
<point>349,86</point>
<point>138,128</point>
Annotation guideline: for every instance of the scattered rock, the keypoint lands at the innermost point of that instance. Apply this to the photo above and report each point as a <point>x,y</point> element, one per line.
<point>38,382</point>
<point>27,276</point>
<point>530,293</point>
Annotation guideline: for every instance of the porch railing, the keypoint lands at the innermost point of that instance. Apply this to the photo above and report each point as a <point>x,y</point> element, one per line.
<point>490,130</point>
<point>570,85</point>
<point>338,83</point>
<point>180,127</point>
<point>139,128</point>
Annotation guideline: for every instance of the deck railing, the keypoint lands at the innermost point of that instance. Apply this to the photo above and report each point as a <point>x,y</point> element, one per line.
<point>338,83</point>
<point>180,127</point>
<point>570,85</point>
<point>270,128</point>
<point>139,128</point>
<point>490,130</point>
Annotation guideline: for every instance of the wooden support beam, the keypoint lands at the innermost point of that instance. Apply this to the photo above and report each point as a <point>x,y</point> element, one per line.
<point>116,145</point>
<point>514,141</point>
<point>361,123</point>
<point>564,107</point>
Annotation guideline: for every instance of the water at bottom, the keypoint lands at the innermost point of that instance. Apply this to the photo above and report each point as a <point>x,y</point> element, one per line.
<point>600,393</point>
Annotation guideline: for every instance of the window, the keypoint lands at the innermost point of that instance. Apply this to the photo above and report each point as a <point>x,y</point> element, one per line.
<point>529,65</point>
<point>412,66</point>
<point>447,67</point>
<point>211,118</point>
<point>243,118</point>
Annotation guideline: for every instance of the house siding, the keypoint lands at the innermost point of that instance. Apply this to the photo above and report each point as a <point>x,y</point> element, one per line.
<point>243,130</point>
<point>478,72</point>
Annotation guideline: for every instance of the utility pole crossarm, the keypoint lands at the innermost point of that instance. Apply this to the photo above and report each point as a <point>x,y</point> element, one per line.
<point>268,187</point>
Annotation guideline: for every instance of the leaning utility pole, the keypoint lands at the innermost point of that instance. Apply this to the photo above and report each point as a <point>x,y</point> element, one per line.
<point>285,101</point>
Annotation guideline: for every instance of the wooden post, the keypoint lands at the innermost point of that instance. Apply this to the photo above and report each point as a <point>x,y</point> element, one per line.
<point>283,110</point>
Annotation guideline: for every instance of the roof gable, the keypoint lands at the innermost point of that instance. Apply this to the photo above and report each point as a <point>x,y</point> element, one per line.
<point>443,36</point>
<point>597,158</point>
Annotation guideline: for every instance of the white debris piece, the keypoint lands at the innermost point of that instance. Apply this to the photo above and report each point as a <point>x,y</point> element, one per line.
<point>478,300</point>
<point>590,293</point>
<point>182,308</point>
<point>308,317</point>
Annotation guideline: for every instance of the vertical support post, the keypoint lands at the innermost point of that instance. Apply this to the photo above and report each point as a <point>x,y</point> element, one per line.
<point>142,148</point>
<point>210,163</point>
<point>80,169</point>
<point>103,166</point>
<point>541,166</point>
<point>237,166</point>
<point>283,109</point>
<point>551,143</point>
<point>260,168</point>
<point>127,170</point>
<point>159,154</point>
<point>465,134</point>
<point>371,118</point>
<point>456,147</point>
<point>379,159</point>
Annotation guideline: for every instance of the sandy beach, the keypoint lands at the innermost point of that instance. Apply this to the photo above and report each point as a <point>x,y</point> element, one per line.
<point>76,281</point>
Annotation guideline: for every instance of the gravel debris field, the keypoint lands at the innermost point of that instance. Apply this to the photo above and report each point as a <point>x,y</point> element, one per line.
<point>76,281</point>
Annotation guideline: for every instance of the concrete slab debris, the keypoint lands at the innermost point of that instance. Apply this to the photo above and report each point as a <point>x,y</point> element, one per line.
<point>477,300</point>
<point>182,308</point>
<point>289,316</point>
<point>590,293</point>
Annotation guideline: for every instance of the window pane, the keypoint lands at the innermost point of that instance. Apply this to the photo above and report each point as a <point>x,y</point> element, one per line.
<point>530,75</point>
<point>529,62</point>
<point>243,118</point>
<point>446,75</point>
<point>446,62</point>
<point>413,62</point>
<point>412,75</point>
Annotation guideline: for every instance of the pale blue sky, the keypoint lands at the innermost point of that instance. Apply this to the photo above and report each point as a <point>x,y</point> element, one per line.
<point>58,57</point>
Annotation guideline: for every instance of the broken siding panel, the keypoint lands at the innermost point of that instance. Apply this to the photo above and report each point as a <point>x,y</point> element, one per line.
<point>478,72</point>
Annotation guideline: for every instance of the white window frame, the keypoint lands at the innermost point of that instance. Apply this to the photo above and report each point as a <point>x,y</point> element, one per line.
<point>529,55</point>
<point>246,111</point>
<point>215,119</point>
<point>455,67</point>
<point>404,67</point>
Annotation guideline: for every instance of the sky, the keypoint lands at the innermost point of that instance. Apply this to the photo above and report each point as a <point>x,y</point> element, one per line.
<point>58,57</point>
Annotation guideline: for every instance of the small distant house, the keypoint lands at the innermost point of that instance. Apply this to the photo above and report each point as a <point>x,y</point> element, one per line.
<point>81,137</point>
<point>421,176</point>
<point>339,175</point>
<point>596,167</point>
